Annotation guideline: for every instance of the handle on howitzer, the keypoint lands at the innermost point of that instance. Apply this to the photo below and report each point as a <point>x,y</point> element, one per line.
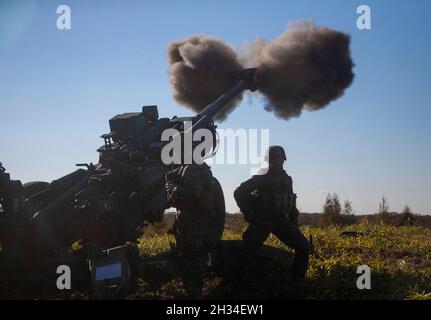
<point>89,167</point>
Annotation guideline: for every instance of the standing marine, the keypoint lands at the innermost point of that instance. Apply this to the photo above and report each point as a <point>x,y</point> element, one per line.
<point>190,190</point>
<point>269,205</point>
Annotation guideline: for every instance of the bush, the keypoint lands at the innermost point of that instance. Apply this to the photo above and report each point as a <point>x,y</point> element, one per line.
<point>406,217</point>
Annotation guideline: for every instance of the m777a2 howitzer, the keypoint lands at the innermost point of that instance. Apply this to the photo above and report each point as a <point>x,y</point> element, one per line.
<point>100,207</point>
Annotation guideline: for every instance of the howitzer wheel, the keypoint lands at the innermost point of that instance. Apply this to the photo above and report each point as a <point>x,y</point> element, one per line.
<point>216,218</point>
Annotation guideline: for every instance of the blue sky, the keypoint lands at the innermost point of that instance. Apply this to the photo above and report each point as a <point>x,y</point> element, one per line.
<point>58,89</point>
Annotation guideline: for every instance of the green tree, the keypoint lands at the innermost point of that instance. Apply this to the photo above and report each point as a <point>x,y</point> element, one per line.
<point>348,210</point>
<point>383,215</point>
<point>348,215</point>
<point>332,210</point>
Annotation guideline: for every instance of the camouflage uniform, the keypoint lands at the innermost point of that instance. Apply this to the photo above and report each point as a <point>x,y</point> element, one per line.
<point>268,204</point>
<point>190,191</point>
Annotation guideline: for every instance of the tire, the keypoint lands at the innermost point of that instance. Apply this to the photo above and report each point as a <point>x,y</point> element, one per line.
<point>216,218</point>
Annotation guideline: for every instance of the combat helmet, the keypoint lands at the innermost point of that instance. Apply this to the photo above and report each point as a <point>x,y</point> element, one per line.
<point>273,150</point>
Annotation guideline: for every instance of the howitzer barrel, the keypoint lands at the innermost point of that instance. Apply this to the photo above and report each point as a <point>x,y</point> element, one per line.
<point>215,107</point>
<point>248,80</point>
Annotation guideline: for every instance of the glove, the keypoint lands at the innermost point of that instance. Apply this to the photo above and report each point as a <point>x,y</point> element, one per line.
<point>170,191</point>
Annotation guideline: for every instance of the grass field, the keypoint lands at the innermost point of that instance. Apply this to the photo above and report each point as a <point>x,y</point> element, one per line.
<point>399,258</point>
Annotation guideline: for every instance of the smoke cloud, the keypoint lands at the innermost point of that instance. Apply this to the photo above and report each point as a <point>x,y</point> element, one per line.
<point>304,68</point>
<point>201,69</point>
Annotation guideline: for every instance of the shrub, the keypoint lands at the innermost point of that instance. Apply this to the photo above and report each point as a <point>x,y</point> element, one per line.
<point>406,217</point>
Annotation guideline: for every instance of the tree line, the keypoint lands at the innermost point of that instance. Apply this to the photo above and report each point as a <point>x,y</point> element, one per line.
<point>335,214</point>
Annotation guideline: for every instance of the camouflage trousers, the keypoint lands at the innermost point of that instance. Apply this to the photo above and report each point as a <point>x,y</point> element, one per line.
<point>190,235</point>
<point>286,232</point>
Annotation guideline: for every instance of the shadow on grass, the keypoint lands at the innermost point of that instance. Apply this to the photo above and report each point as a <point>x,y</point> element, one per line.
<point>271,280</point>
